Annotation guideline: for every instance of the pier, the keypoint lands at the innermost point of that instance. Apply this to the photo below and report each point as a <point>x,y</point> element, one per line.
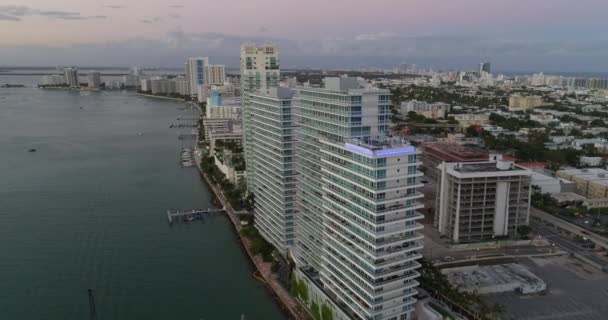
<point>183,125</point>
<point>191,215</point>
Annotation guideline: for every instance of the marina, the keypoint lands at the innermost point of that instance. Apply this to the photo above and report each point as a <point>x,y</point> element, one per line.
<point>187,159</point>
<point>183,125</point>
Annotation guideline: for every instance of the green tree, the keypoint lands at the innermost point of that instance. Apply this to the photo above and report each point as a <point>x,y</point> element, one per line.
<point>524,231</point>
<point>326,312</point>
<point>303,289</point>
<point>316,313</point>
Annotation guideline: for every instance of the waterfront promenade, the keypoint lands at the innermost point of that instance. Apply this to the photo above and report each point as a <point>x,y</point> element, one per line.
<point>263,268</point>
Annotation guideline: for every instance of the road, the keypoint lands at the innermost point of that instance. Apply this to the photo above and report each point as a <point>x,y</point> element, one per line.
<point>568,244</point>
<point>570,227</point>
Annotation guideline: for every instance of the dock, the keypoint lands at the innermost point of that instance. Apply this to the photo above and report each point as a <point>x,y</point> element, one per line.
<point>183,125</point>
<point>190,215</point>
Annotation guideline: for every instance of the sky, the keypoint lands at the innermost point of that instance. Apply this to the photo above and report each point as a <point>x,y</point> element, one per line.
<point>531,35</point>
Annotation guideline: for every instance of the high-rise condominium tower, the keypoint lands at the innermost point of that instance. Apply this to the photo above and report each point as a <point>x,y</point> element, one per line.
<point>94,80</point>
<point>273,150</point>
<point>195,73</point>
<point>71,77</point>
<point>215,74</point>
<point>356,239</point>
<point>259,72</point>
<point>484,67</point>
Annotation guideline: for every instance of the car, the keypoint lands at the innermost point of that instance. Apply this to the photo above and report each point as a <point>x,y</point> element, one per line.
<point>448,259</point>
<point>423,181</point>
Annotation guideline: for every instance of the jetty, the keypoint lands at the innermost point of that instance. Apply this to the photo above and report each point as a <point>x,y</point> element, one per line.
<point>183,125</point>
<point>191,215</point>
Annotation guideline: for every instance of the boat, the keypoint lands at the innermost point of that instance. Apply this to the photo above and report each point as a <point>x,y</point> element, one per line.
<point>32,150</point>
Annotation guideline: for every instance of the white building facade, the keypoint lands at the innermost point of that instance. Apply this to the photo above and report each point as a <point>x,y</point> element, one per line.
<point>356,225</point>
<point>94,80</point>
<point>71,77</point>
<point>215,75</point>
<point>259,71</point>
<point>479,201</point>
<point>274,152</point>
<point>195,73</point>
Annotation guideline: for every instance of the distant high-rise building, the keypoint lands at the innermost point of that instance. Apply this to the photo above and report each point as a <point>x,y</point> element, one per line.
<point>356,240</point>
<point>182,86</point>
<point>71,77</point>
<point>136,71</point>
<point>484,67</point>
<point>195,73</point>
<point>259,71</point>
<point>479,201</point>
<point>215,75</point>
<point>53,80</point>
<point>130,81</point>
<point>94,80</point>
<point>273,148</point>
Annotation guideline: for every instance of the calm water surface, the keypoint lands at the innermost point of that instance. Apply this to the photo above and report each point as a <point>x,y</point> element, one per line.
<point>87,210</point>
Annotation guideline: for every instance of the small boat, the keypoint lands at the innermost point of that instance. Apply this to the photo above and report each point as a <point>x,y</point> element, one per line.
<point>32,150</point>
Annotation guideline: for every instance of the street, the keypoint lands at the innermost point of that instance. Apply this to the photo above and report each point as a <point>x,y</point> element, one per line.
<point>568,244</point>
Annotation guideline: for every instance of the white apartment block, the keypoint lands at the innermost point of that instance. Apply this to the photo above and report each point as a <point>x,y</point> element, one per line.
<point>259,72</point>
<point>480,201</point>
<point>430,110</point>
<point>94,80</point>
<point>52,80</point>
<point>468,119</point>
<point>145,85</point>
<point>162,86</point>
<point>182,86</point>
<point>223,112</point>
<point>356,239</point>
<point>215,75</point>
<point>517,102</point>
<point>130,81</point>
<point>71,77</point>
<point>273,148</point>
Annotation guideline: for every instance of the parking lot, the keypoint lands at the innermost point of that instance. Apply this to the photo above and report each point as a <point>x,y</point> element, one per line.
<point>575,292</point>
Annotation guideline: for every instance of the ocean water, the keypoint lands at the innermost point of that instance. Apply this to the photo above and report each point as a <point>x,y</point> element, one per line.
<point>87,210</point>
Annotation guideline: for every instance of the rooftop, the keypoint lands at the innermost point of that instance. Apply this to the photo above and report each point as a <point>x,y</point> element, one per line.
<point>490,166</point>
<point>379,146</point>
<point>454,152</point>
<point>495,278</point>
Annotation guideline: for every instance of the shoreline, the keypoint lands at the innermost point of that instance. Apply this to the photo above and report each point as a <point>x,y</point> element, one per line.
<point>277,292</point>
<point>161,97</point>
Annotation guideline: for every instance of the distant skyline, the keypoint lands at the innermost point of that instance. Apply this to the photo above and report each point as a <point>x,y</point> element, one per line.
<point>516,35</point>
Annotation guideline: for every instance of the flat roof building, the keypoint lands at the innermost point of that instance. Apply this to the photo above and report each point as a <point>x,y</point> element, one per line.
<point>274,145</point>
<point>259,72</point>
<point>591,183</point>
<point>356,231</point>
<point>437,152</point>
<point>480,201</point>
